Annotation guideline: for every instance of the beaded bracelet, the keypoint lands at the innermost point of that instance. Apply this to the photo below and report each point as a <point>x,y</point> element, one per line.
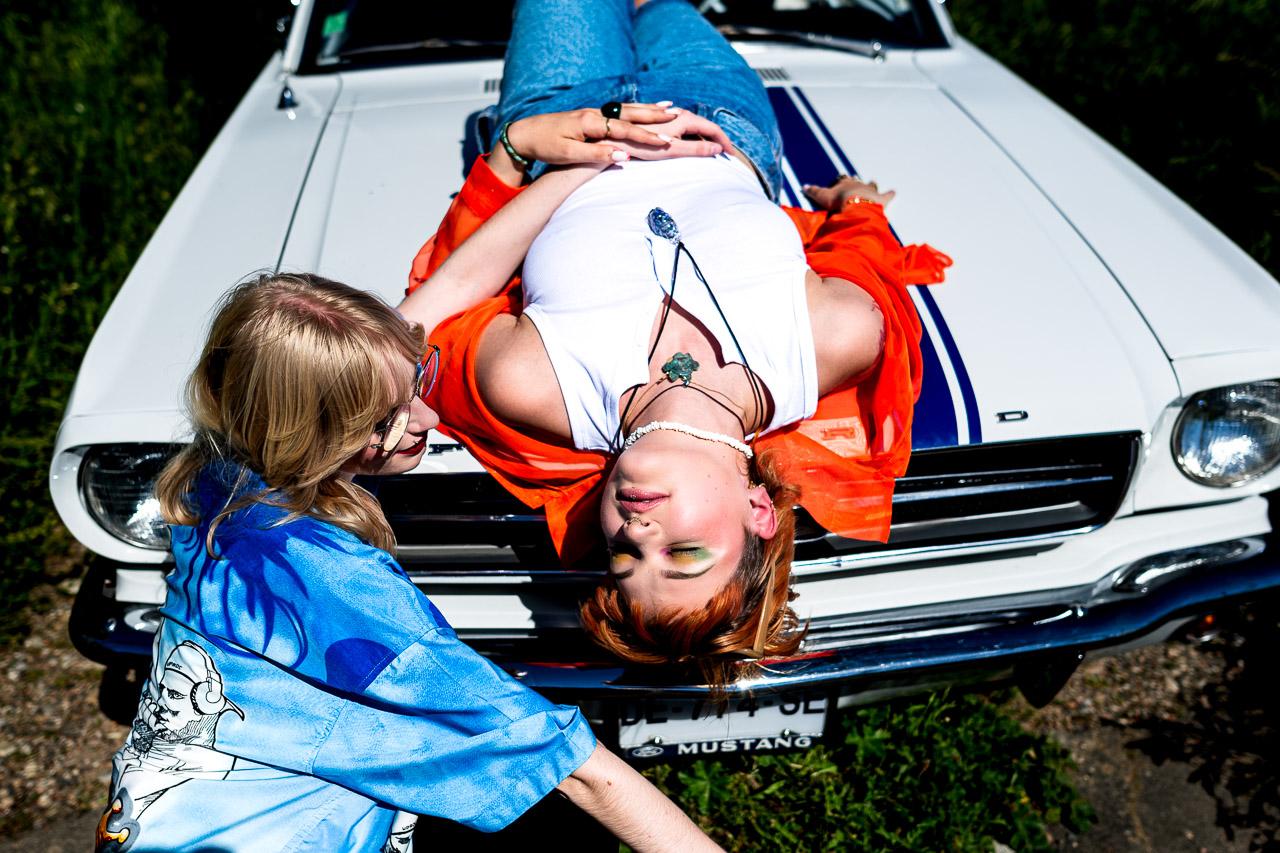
<point>522,163</point>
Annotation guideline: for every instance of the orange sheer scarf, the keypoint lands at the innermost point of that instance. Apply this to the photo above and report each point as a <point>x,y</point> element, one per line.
<point>844,459</point>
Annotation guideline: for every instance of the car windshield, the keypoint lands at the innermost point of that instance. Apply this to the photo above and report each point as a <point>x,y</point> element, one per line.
<point>349,34</point>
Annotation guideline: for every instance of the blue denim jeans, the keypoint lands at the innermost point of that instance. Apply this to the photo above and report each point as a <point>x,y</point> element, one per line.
<point>570,54</point>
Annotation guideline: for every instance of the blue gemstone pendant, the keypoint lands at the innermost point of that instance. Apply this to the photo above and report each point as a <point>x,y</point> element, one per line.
<point>661,224</point>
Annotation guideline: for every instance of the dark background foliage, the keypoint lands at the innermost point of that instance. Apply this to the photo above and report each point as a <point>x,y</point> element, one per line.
<point>106,106</point>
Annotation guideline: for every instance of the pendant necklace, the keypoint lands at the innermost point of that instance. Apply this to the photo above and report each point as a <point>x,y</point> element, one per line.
<point>680,368</point>
<point>681,365</point>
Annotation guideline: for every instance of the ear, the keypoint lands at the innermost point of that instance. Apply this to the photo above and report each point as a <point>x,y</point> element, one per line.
<point>764,519</point>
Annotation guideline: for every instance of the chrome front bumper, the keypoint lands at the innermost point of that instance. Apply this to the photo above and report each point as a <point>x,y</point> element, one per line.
<point>1030,640</point>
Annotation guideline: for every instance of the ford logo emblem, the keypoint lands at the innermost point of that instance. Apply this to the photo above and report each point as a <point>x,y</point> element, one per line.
<point>646,751</point>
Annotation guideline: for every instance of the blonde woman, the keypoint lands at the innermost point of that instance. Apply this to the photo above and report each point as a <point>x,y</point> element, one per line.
<point>304,695</point>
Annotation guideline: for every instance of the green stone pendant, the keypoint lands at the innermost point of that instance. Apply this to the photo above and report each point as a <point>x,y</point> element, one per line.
<point>680,368</point>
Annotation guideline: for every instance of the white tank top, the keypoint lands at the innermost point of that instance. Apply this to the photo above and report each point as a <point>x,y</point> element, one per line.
<point>595,278</point>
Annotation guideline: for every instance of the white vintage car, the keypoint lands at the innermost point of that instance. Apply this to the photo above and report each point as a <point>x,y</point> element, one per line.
<point>1097,434</point>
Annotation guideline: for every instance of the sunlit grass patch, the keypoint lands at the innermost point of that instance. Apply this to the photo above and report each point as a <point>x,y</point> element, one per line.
<point>940,773</point>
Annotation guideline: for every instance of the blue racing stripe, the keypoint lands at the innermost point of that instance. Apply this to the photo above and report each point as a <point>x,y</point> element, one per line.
<point>957,364</point>
<point>822,126</point>
<point>803,151</point>
<point>934,424</point>
<point>792,198</point>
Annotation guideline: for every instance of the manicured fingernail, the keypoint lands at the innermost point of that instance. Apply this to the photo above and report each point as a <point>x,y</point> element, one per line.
<point>665,103</point>
<point>664,137</point>
<point>619,156</point>
<point>675,111</point>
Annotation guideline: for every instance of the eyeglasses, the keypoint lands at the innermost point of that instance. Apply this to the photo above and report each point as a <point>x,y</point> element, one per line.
<point>393,428</point>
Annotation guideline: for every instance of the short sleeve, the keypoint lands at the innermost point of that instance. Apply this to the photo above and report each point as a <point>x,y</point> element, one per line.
<point>442,731</point>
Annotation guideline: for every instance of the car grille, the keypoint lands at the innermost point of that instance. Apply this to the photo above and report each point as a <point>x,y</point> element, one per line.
<point>467,524</point>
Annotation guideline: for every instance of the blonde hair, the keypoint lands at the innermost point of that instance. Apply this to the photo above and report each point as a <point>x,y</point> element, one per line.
<point>749,618</point>
<point>291,383</point>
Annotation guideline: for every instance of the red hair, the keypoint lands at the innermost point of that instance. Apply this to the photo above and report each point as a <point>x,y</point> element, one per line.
<point>749,618</point>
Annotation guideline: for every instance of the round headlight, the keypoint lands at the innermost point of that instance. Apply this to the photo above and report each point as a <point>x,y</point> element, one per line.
<point>1228,436</point>
<point>117,482</point>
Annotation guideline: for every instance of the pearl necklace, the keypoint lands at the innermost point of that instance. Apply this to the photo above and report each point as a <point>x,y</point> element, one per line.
<point>673,426</point>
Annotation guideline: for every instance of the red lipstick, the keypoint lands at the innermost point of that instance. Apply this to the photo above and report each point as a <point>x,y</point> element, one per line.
<point>413,449</point>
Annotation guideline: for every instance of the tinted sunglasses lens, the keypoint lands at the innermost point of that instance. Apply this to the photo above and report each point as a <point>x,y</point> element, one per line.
<point>396,430</point>
<point>430,368</point>
<point>419,377</point>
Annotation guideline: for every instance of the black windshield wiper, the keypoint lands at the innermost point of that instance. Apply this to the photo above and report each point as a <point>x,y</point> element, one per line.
<point>873,50</point>
<point>425,44</point>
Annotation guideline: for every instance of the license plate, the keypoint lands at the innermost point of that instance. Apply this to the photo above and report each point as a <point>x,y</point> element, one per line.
<point>665,728</point>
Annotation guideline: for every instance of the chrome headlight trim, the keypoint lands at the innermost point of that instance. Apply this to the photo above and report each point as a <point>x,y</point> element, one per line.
<point>117,484</point>
<point>1225,437</point>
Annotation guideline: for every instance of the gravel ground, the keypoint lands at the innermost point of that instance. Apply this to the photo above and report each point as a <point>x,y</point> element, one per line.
<point>54,742</point>
<point>1102,716</point>
<point>1174,746</point>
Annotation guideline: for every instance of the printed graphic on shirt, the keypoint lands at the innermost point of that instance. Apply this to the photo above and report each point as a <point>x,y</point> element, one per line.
<point>400,839</point>
<point>172,742</point>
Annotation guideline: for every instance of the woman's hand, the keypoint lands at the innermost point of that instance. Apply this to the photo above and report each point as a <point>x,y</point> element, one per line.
<point>683,133</point>
<point>844,190</point>
<point>645,131</point>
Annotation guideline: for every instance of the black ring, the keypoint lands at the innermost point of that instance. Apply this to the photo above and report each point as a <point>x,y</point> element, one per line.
<point>613,109</point>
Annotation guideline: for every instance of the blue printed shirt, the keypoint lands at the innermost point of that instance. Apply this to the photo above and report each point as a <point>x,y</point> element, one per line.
<point>305,695</point>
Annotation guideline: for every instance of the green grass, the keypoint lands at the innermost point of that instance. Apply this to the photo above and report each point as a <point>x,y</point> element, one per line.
<point>96,143</point>
<point>938,774</point>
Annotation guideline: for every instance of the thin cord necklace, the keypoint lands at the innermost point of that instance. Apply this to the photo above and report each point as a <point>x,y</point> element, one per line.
<point>680,367</point>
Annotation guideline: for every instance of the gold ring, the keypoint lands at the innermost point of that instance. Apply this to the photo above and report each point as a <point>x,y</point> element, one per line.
<point>606,127</point>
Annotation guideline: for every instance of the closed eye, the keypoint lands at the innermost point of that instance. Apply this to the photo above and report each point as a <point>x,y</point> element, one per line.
<point>625,554</point>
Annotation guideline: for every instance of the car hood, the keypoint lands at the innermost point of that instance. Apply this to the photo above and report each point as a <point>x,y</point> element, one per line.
<point>1029,337</point>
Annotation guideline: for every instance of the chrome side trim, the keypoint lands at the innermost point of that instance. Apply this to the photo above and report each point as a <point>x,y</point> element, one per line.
<point>504,518</point>
<point>957,521</point>
<point>899,556</point>
<point>995,488</point>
